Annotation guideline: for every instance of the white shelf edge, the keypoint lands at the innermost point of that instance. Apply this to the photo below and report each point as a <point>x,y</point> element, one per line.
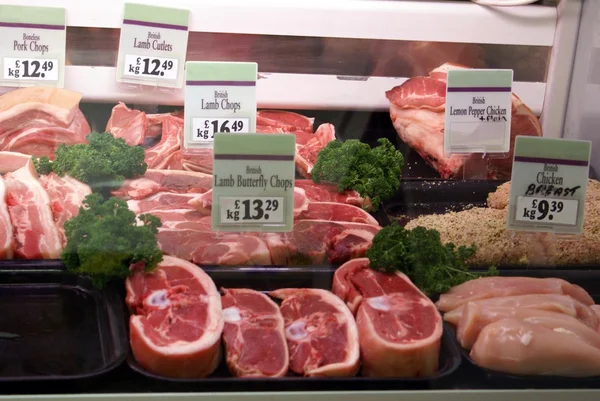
<point>285,91</point>
<point>437,21</point>
<point>425,395</point>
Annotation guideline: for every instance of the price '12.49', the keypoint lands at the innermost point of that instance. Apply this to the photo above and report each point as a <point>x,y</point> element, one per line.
<point>30,69</point>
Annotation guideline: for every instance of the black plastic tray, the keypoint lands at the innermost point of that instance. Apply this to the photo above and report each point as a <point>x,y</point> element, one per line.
<point>266,279</point>
<point>64,328</point>
<point>588,279</point>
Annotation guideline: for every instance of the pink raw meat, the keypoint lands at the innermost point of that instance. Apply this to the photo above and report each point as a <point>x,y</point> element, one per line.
<point>162,201</point>
<point>493,287</point>
<point>329,193</point>
<point>476,317</point>
<point>155,181</point>
<point>169,143</point>
<point>523,348</point>
<point>306,155</point>
<point>254,337</point>
<point>550,302</point>
<point>417,109</point>
<point>66,197</point>
<point>40,141</point>
<point>7,241</point>
<point>285,120</point>
<point>130,125</point>
<point>321,333</point>
<point>36,234</point>
<point>332,211</point>
<point>176,322</point>
<point>11,161</point>
<point>399,328</point>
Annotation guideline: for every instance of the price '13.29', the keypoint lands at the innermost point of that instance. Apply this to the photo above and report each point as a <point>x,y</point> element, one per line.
<point>258,209</point>
<point>251,210</point>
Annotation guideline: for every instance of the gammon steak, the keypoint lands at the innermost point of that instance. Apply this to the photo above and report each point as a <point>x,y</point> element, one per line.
<point>253,334</point>
<point>417,109</point>
<point>321,333</point>
<point>399,328</point>
<point>176,322</point>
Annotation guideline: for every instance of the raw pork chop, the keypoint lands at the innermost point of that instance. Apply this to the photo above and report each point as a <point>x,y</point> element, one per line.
<point>493,287</point>
<point>550,302</point>
<point>66,197</point>
<point>155,181</point>
<point>268,120</point>
<point>475,318</point>
<point>11,161</point>
<point>523,348</point>
<point>36,120</point>
<point>417,109</point>
<point>254,337</point>
<point>7,241</point>
<point>399,328</point>
<point>176,322</point>
<point>36,234</point>
<point>321,333</point>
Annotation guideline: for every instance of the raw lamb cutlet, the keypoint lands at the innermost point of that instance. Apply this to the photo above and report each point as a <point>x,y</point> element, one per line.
<point>475,318</point>
<point>155,181</point>
<point>162,201</point>
<point>549,302</point>
<point>157,157</point>
<point>36,234</point>
<point>399,328</point>
<point>211,248</point>
<point>130,125</point>
<point>12,161</point>
<point>255,344</point>
<point>66,197</point>
<point>417,109</point>
<point>493,287</point>
<point>7,241</point>
<point>321,333</point>
<point>176,322</point>
<point>304,209</point>
<point>523,348</point>
<point>36,120</point>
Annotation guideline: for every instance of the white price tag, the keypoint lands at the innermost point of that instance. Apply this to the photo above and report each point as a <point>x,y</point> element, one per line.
<point>155,67</point>
<point>30,69</point>
<point>241,209</point>
<point>547,210</point>
<point>205,128</point>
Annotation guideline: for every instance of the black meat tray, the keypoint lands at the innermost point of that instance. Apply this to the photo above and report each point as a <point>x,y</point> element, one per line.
<point>270,278</point>
<point>588,279</point>
<point>63,329</point>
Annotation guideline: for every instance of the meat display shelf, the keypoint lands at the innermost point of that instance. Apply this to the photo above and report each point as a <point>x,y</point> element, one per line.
<point>299,93</point>
<point>363,19</point>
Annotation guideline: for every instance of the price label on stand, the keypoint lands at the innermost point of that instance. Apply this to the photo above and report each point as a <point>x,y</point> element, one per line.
<point>478,111</point>
<point>32,46</point>
<point>153,46</point>
<point>219,98</point>
<point>548,186</point>
<point>253,182</point>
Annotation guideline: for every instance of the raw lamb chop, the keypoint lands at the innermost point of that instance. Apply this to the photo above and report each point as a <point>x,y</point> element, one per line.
<point>7,241</point>
<point>36,120</point>
<point>36,234</point>
<point>475,318</point>
<point>270,120</point>
<point>66,197</point>
<point>523,348</point>
<point>417,110</point>
<point>176,322</point>
<point>255,344</point>
<point>321,333</point>
<point>131,125</point>
<point>493,287</point>
<point>550,302</point>
<point>306,154</point>
<point>155,181</point>
<point>162,201</point>
<point>399,328</point>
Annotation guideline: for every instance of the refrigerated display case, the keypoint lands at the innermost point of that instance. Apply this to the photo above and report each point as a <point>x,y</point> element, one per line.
<point>328,71</point>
